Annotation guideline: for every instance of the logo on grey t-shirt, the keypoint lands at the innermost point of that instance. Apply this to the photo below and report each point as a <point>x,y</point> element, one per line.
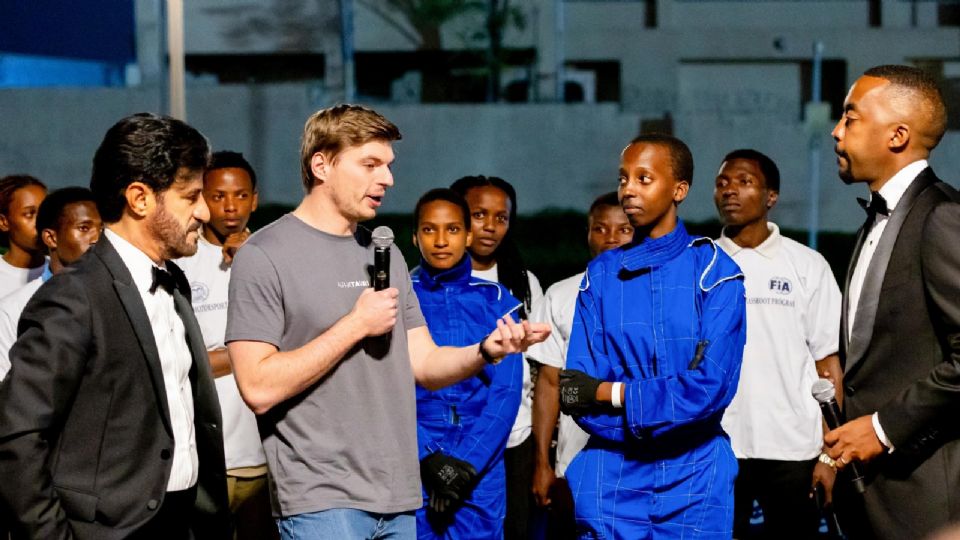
<point>353,284</point>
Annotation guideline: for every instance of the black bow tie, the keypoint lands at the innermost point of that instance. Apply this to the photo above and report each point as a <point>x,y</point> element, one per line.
<point>876,205</point>
<point>164,280</point>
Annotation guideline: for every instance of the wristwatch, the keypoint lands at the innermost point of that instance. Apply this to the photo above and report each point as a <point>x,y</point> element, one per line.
<point>487,357</point>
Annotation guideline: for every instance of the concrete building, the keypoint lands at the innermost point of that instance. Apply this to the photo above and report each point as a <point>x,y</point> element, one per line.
<point>721,74</point>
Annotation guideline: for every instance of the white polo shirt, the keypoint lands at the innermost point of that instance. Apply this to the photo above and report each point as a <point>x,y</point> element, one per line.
<point>557,308</point>
<point>209,283</point>
<point>793,320</point>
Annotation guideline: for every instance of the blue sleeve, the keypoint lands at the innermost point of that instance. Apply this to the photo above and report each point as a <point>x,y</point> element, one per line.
<point>657,405</point>
<point>487,437</point>
<point>488,434</point>
<point>587,353</point>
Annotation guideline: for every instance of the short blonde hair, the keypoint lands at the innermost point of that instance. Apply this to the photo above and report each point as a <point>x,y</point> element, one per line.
<point>334,129</point>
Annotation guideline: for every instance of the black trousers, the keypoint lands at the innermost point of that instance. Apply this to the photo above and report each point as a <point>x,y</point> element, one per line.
<point>782,489</point>
<point>518,462</point>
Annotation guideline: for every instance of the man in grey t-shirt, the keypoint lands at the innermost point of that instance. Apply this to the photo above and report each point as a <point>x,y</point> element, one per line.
<point>305,332</point>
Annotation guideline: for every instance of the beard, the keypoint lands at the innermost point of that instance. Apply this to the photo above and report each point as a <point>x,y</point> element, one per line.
<point>846,176</point>
<point>844,172</point>
<point>174,238</point>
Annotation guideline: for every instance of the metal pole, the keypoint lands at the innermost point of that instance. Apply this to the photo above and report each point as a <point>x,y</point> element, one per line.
<point>164,75</point>
<point>815,150</point>
<point>559,23</point>
<point>178,102</point>
<point>346,47</point>
<point>491,50</point>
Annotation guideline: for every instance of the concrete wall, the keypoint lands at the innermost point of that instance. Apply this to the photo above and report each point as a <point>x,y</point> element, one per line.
<point>557,156</point>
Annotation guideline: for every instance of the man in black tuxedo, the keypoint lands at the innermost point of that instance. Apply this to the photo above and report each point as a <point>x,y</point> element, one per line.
<point>900,329</point>
<point>109,420</point>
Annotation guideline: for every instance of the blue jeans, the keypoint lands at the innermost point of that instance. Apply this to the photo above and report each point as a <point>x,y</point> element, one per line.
<point>348,524</point>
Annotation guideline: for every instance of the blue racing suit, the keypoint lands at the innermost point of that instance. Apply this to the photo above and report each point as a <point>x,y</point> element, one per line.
<point>469,420</point>
<point>666,317</point>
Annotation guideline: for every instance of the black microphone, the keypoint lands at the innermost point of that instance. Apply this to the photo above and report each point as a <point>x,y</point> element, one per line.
<point>382,240</point>
<point>826,396</point>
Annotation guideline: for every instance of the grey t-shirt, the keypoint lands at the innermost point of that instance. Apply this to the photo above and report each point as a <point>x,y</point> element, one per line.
<point>350,441</point>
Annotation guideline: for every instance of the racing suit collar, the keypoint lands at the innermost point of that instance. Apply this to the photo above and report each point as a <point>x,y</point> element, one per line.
<point>431,278</point>
<point>652,252</point>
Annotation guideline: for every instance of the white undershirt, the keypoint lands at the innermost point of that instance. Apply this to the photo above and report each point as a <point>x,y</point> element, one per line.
<point>892,191</point>
<point>522,425</point>
<point>175,361</point>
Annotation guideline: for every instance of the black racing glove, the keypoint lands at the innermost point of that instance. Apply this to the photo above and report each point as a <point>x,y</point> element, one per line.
<point>447,480</point>
<point>578,392</point>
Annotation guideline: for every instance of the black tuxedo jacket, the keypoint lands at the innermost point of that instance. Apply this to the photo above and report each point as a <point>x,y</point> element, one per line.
<point>85,438</point>
<point>903,361</point>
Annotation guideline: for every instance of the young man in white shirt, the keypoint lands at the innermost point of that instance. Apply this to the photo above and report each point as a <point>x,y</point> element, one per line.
<point>230,190</point>
<point>607,228</point>
<point>793,321</point>
<point>68,223</point>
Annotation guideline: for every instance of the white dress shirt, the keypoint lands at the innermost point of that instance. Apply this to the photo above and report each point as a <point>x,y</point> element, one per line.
<point>175,361</point>
<point>892,191</point>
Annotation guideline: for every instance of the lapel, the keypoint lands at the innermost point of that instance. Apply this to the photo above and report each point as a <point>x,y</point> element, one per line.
<point>201,378</point>
<point>873,280</point>
<point>137,314</point>
<point>844,320</point>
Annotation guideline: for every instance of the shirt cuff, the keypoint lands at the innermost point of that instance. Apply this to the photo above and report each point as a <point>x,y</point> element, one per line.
<point>880,434</point>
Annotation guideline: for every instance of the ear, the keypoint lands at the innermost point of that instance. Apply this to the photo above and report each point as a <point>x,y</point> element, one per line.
<point>4,223</point>
<point>680,191</point>
<point>414,238</point>
<point>772,198</point>
<point>318,167</point>
<point>256,200</point>
<point>469,237</point>
<point>140,199</point>
<point>49,239</point>
<point>899,137</point>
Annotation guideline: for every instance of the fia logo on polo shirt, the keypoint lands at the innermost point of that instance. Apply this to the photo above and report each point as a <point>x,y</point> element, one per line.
<point>781,285</point>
